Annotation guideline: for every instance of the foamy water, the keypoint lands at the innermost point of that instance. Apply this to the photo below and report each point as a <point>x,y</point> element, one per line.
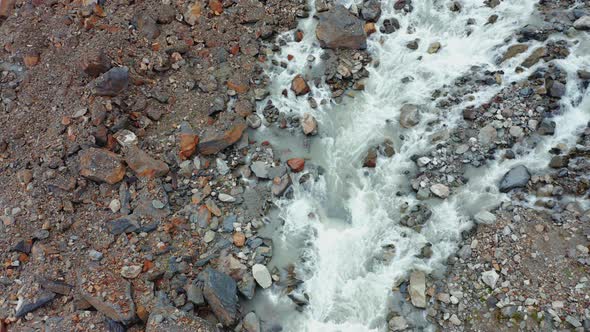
<point>350,214</point>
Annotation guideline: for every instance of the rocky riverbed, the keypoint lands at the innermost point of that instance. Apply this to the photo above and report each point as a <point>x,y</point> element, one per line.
<point>141,177</point>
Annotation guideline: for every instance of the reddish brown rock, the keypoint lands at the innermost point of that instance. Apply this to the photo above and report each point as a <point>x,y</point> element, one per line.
<point>239,239</point>
<point>96,64</point>
<point>371,159</point>
<point>309,124</point>
<point>370,28</point>
<point>101,166</point>
<point>6,7</point>
<point>296,164</point>
<point>215,144</point>
<point>188,145</point>
<point>193,13</point>
<point>31,59</point>
<point>299,86</point>
<point>216,7</point>
<point>143,164</point>
<point>238,84</point>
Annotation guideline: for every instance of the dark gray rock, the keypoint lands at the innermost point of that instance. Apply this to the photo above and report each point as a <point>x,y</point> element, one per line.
<point>112,83</point>
<point>546,128</point>
<point>517,177</point>
<point>220,291</point>
<point>390,25</point>
<point>557,89</point>
<point>338,28</point>
<point>43,300</point>
<point>371,10</point>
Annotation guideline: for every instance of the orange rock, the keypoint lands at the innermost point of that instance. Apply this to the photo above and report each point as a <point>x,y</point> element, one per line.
<point>238,84</point>
<point>6,7</point>
<point>216,6</point>
<point>188,145</point>
<point>299,86</point>
<point>31,59</point>
<point>215,144</point>
<point>296,164</point>
<point>239,239</point>
<point>193,13</point>
<point>143,164</point>
<point>95,64</point>
<point>370,28</point>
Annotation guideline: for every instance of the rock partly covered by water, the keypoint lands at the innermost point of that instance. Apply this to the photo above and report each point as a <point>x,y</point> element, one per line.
<point>417,289</point>
<point>338,28</point>
<point>517,177</point>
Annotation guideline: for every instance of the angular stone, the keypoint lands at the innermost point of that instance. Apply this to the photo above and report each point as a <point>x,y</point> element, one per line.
<point>371,158</point>
<point>101,166</point>
<point>6,7</point>
<point>485,217</point>
<point>490,278</point>
<point>118,305</point>
<point>417,289</point>
<point>409,116</point>
<point>31,306</point>
<point>143,164</point>
<point>217,143</point>
<point>112,83</point>
<point>299,86</point>
<point>251,323</point>
<point>517,177</point>
<point>390,25</point>
<point>559,161</point>
<point>434,48</point>
<point>487,135</point>
<point>261,275</point>
<point>338,28</point>
<point>440,190</point>
<point>220,291</point>
<point>371,10</point>
<point>280,185</point>
<point>309,124</point>
<point>534,57</point>
<point>188,141</point>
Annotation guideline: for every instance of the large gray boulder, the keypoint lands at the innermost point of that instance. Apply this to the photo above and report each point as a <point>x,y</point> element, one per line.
<point>517,177</point>
<point>338,28</point>
<point>220,291</point>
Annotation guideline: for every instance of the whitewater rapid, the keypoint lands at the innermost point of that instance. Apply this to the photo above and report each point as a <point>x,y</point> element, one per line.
<point>349,214</point>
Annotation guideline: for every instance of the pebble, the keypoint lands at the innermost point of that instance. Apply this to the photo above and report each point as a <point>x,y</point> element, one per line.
<point>95,255</point>
<point>226,198</point>
<point>130,272</point>
<point>115,205</point>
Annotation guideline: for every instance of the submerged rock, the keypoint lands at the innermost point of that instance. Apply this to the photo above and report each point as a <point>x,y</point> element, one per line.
<point>517,177</point>
<point>338,28</point>
<point>409,116</point>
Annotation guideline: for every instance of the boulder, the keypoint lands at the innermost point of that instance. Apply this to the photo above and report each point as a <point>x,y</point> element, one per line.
<point>220,291</point>
<point>112,83</point>
<point>96,64</point>
<point>217,143</point>
<point>583,23</point>
<point>484,217</point>
<point>409,116</point>
<point>390,25</point>
<point>559,161</point>
<point>434,48</point>
<point>299,86</point>
<point>188,141</point>
<point>251,323</point>
<point>338,28</point>
<point>517,177</point>
<point>417,289</point>
<point>557,89</point>
<point>370,159</point>
<point>143,164</point>
<point>535,57</point>
<point>101,166</point>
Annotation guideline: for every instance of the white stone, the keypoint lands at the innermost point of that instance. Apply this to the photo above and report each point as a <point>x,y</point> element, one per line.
<point>583,23</point>
<point>455,320</point>
<point>226,198</point>
<point>417,289</point>
<point>130,272</point>
<point>485,217</point>
<point>115,205</point>
<point>261,275</point>
<point>440,190</point>
<point>398,324</point>
<point>490,278</point>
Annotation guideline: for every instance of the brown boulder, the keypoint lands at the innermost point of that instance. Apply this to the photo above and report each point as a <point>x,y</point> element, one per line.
<point>296,164</point>
<point>101,166</point>
<point>299,86</point>
<point>217,143</point>
<point>239,84</point>
<point>188,141</point>
<point>6,7</point>
<point>309,124</point>
<point>143,164</point>
<point>96,64</point>
<point>371,159</point>
<point>338,28</point>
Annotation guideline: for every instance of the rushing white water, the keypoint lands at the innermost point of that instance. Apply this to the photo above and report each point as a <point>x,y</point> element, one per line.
<point>350,214</point>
